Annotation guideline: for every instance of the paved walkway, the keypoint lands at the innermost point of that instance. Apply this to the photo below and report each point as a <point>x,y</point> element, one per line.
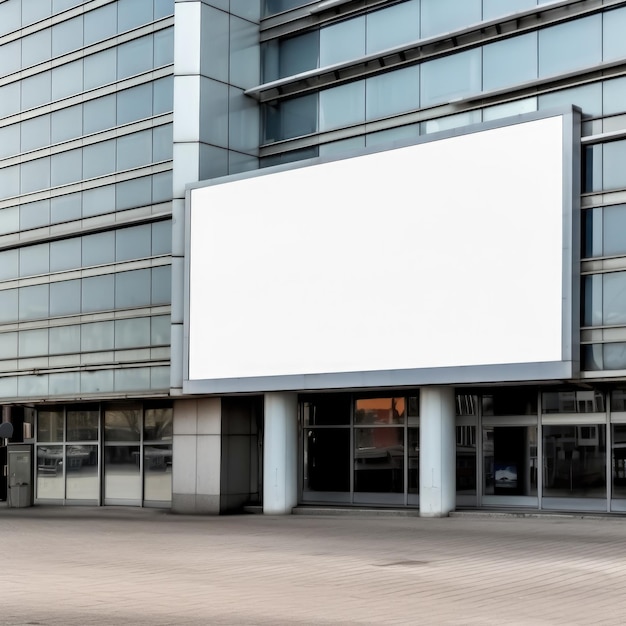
<point>132,566</point>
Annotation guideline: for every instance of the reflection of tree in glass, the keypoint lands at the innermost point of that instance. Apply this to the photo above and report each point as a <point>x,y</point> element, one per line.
<point>123,424</point>
<point>158,424</point>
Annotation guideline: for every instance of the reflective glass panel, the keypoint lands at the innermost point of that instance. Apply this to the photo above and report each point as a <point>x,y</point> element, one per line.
<point>442,16</point>
<point>379,460</point>
<point>510,460</point>
<point>82,425</point>
<point>574,461</point>
<point>510,402</point>
<point>510,61</point>
<point>393,26</point>
<point>379,411</point>
<point>466,460</point>
<point>327,459</point>
<point>33,302</point>
<point>342,106</point>
<point>81,472</point>
<point>414,460</point>
<point>342,41</point>
<point>158,424</point>
<point>50,426</point>
<point>393,92</point>
<point>122,472</point>
<point>50,483</point>
<point>157,472</point>
<point>101,23</point>
<point>132,288</point>
<point>581,401</point>
<point>450,77</point>
<point>123,424</point>
<point>614,298</point>
<point>327,409</point>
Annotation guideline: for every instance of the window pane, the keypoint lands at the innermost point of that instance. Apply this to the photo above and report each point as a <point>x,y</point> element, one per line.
<point>67,80</point>
<point>295,55</point>
<point>65,339</point>
<point>35,90</point>
<point>163,95</point>
<point>134,57</point>
<point>132,289</point>
<point>9,181</point>
<point>10,16</point>
<point>391,93</point>
<point>379,460</point>
<point>34,260</point>
<point>560,50</point>
<point>133,333</point>
<point>327,464</point>
<point>133,193</point>
<point>66,167</point>
<point>133,243</point>
<point>8,264</point>
<point>35,10</point>
<point>9,140</point>
<point>122,479</point>
<point>82,425</point>
<point>99,200</point>
<point>510,61</point>
<point>82,481</point>
<point>134,150</point>
<point>122,424</point>
<point>614,42</point>
<point>587,401</point>
<point>9,99</point>
<point>379,411</point>
<point>99,159</point>
<point>342,42</point>
<point>614,172</point>
<point>33,342</point>
<point>35,175</point>
<point>393,26</point>
<point>10,56</point>
<point>35,214</point>
<point>442,16</point>
<point>161,285</point>
<point>8,345</point>
<point>99,248</point>
<point>341,106</point>
<point>163,141</point>
<point>291,118</point>
<point>65,298</point>
<point>96,337</point>
<point>614,227</point>
<point>614,96</point>
<point>36,48</point>
<point>65,254</point>
<point>33,302</point>
<point>100,69</point>
<point>164,47</point>
<point>162,187</point>
<point>67,36</point>
<point>9,218</point>
<point>160,330</point>
<point>450,77</point>
<point>134,104</point>
<point>8,305</point>
<point>496,8</point>
<point>67,123</point>
<point>101,23</point>
<point>98,293</point>
<point>161,237</point>
<point>50,425</point>
<point>614,300</point>
<point>99,114</point>
<point>133,13</point>
<point>65,208</point>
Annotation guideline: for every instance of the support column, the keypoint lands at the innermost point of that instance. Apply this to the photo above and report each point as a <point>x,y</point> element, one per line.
<point>280,453</point>
<point>437,452</point>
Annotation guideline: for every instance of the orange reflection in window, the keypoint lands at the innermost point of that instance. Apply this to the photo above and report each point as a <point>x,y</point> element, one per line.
<point>380,411</point>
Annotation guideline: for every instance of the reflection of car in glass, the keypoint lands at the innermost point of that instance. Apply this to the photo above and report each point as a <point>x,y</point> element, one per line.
<point>506,476</point>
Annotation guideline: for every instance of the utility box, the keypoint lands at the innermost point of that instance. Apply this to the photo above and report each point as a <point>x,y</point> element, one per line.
<point>20,475</point>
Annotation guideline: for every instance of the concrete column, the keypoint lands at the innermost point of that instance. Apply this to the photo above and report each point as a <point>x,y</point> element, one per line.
<point>280,453</point>
<point>437,451</point>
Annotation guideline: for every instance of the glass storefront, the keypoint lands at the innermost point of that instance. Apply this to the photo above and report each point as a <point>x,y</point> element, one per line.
<point>105,454</point>
<point>514,447</point>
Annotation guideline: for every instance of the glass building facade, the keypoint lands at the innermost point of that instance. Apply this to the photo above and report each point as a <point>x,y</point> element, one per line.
<point>110,108</point>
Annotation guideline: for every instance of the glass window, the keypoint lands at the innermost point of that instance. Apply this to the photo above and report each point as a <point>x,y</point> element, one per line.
<point>65,339</point>
<point>379,460</point>
<point>278,6</point>
<point>613,41</point>
<point>134,150</point>
<point>508,109</point>
<point>98,381</point>
<point>163,141</point>
<point>8,305</point>
<point>162,237</point>
<point>162,187</point>
<point>134,57</point>
<point>10,57</point>
<point>82,480</point>
<point>33,342</point>
<point>98,293</point>
<point>8,345</point>
<point>342,42</point>
<point>613,172</point>
<point>614,298</point>
<point>35,10</point>
<point>157,466</point>
<point>510,402</point>
<point>58,6</point>
<point>133,193</point>
<point>9,181</point>
<point>163,8</point>
<point>67,123</point>
<point>291,118</point>
<point>99,159</point>
<point>574,461</point>
<point>9,140</point>
<point>35,214</point>
<point>65,254</point>
<point>618,400</point>
<point>163,95</point>
<point>97,336</point>
<point>290,56</point>
<point>65,208</point>
<point>35,260</point>
<point>560,50</point>
<point>393,92</point>
<point>36,48</point>
<point>132,289</point>
<point>160,330</point>
<point>582,401</point>
<point>343,105</point>
<point>393,26</point>
<point>450,77</point>
<point>36,90</point>
<point>65,298</point>
<point>99,248</point>
<point>100,69</point>
<point>67,80</point>
<point>132,333</point>
<point>510,61</point>
<point>50,425</point>
<point>327,459</point>
<point>99,200</point>
<point>442,16</point>
<point>101,23</point>
<point>614,227</point>
<point>161,285</point>
<point>496,8</point>
<point>8,264</point>
<point>66,167</point>
<point>133,13</point>
<point>33,302</point>
<point>35,133</point>
<point>592,168</point>
<point>614,96</point>
<point>99,114</point>
<point>592,291</point>
<point>10,16</point>
<point>10,99</point>
<point>122,424</point>
<point>35,175</point>
<point>164,47</point>
<point>134,104</point>
<point>67,36</point>
<point>132,379</point>
<point>122,478</point>
<point>133,243</point>
<point>379,411</point>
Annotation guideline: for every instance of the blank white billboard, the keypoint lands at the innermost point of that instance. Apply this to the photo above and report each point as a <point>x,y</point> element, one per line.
<point>445,254</point>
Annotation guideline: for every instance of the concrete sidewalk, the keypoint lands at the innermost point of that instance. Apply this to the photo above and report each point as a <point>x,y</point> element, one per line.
<point>141,566</point>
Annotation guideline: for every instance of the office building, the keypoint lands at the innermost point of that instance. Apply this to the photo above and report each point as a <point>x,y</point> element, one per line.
<point>344,252</point>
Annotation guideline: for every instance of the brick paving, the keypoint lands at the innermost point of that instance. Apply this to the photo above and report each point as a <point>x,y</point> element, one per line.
<point>138,566</point>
